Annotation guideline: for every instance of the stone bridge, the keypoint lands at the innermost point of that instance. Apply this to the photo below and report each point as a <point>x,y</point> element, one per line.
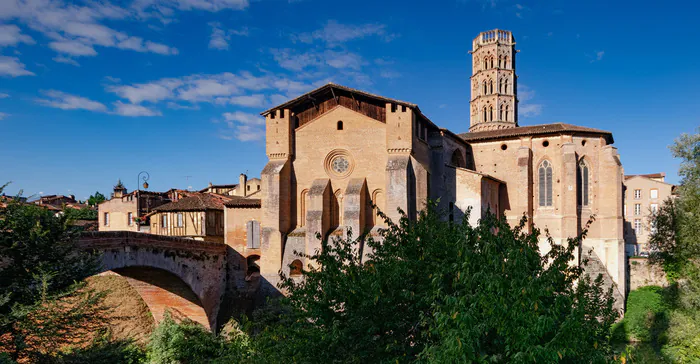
<point>184,275</point>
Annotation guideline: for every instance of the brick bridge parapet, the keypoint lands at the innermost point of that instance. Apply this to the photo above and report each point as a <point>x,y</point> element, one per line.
<point>201,265</point>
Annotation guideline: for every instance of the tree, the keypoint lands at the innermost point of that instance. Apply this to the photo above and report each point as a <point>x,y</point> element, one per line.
<point>442,292</point>
<point>40,306</point>
<point>85,213</point>
<point>96,199</point>
<point>676,246</point>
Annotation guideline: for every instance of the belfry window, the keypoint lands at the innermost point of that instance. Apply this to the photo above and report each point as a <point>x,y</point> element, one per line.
<point>490,86</point>
<point>486,63</point>
<point>582,179</point>
<point>485,116</point>
<point>501,114</point>
<point>484,87</point>
<point>545,184</point>
<point>490,113</point>
<point>507,112</point>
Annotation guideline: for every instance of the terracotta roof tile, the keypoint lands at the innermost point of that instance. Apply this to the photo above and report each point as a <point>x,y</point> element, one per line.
<point>556,128</point>
<point>238,201</point>
<point>651,175</point>
<point>196,202</point>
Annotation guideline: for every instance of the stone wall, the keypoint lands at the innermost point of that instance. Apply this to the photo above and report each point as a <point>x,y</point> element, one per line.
<point>641,274</point>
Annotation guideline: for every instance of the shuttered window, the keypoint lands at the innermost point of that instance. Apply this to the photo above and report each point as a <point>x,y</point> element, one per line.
<point>253,228</point>
<point>545,184</point>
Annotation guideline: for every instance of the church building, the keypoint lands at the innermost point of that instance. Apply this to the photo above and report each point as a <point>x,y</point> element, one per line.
<point>335,151</point>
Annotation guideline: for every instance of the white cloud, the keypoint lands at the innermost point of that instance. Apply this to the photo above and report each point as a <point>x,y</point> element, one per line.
<point>3,115</point>
<point>167,7</point>
<point>257,100</point>
<point>11,35</point>
<point>247,133</point>
<point>293,61</point>
<point>74,48</point>
<point>123,109</point>
<point>76,29</point>
<point>598,56</point>
<point>220,37</point>
<point>336,33</point>
<point>243,89</point>
<point>4,95</point>
<point>65,101</point>
<point>343,60</point>
<point>66,60</point>
<point>11,66</point>
<point>525,108</point>
<point>244,118</point>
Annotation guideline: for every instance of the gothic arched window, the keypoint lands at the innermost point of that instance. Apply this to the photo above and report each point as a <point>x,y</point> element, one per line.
<point>502,112</point>
<point>582,179</point>
<point>485,88</point>
<point>485,118</point>
<point>457,159</point>
<point>505,86</point>
<point>545,183</point>
<point>507,112</point>
<point>486,63</point>
<point>490,113</point>
<point>490,86</point>
<point>507,66</point>
<point>491,61</point>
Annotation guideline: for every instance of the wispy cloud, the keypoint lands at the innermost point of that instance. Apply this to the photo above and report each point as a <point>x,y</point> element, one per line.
<point>4,95</point>
<point>66,60</point>
<point>243,126</point>
<point>597,56</point>
<point>527,109</point>
<point>125,109</point>
<point>335,33</point>
<point>11,35</point>
<point>65,101</point>
<point>3,115</point>
<point>220,37</point>
<point>11,66</point>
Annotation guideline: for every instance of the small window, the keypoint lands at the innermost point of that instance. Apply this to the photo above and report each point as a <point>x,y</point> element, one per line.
<point>295,268</point>
<point>106,218</point>
<point>637,209</point>
<point>654,193</point>
<point>504,147</point>
<point>248,188</point>
<point>654,208</point>
<point>545,143</point>
<point>164,220</point>
<point>180,219</point>
<point>340,125</point>
<point>130,218</point>
<point>253,234</point>
<point>258,187</point>
<point>637,194</point>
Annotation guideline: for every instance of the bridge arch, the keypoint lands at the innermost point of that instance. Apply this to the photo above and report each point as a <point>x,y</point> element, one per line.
<point>200,265</point>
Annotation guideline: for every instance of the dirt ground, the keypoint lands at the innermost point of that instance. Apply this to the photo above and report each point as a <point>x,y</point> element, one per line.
<point>129,316</point>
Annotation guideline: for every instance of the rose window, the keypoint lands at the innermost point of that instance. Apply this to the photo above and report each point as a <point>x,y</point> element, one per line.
<point>340,165</point>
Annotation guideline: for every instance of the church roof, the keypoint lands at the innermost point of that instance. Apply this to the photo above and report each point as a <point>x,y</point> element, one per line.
<point>329,87</point>
<point>544,129</point>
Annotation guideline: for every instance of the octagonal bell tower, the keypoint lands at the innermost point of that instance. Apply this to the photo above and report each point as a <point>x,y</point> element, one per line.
<point>494,102</point>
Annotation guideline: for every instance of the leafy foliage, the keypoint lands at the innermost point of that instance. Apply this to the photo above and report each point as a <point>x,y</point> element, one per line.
<point>436,291</point>
<point>40,308</point>
<point>189,342</point>
<point>96,199</point>
<point>80,214</point>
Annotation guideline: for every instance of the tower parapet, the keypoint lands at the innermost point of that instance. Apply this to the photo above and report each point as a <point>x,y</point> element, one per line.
<point>494,102</point>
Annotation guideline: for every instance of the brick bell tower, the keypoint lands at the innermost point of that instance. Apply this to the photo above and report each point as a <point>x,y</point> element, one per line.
<point>494,102</point>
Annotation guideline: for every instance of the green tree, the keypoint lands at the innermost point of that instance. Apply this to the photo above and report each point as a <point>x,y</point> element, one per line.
<point>95,199</point>
<point>675,245</point>
<point>85,213</point>
<point>40,306</point>
<point>441,292</point>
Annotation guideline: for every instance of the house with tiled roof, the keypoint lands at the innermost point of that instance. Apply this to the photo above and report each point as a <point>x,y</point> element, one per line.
<point>198,216</point>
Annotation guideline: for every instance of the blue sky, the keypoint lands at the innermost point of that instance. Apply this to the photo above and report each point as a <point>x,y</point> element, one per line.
<point>91,92</point>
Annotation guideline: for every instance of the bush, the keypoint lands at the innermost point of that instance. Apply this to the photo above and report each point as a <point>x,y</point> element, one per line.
<point>646,315</point>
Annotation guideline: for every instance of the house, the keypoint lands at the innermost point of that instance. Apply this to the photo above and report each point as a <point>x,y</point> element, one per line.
<point>128,211</point>
<point>198,216</point>
<point>644,195</point>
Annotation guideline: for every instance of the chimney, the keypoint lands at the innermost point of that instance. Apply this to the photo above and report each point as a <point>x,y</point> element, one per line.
<point>242,182</point>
